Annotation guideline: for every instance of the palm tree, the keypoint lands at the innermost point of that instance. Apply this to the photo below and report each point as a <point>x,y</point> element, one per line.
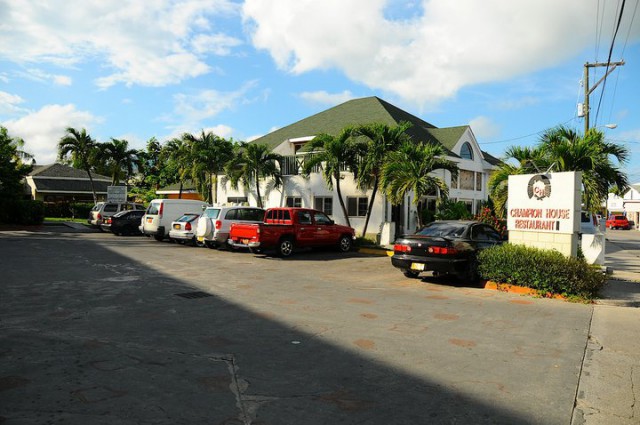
<point>209,155</point>
<point>592,155</point>
<point>410,169</point>
<point>253,162</point>
<point>176,156</point>
<point>119,159</point>
<point>335,153</point>
<point>82,149</point>
<point>381,140</point>
<point>528,160</point>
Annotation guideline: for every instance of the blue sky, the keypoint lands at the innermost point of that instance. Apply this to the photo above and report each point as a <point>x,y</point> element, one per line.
<point>137,69</point>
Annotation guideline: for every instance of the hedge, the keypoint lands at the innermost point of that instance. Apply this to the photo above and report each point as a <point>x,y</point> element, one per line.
<point>546,271</point>
<point>21,211</point>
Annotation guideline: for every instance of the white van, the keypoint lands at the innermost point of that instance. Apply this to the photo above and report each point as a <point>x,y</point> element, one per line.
<point>161,212</point>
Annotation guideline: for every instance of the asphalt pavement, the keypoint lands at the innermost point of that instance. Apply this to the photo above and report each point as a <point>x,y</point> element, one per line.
<point>97,336</point>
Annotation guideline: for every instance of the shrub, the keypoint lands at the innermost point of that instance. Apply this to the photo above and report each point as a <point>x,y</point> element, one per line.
<point>21,211</point>
<point>452,210</point>
<point>543,270</point>
<point>80,209</point>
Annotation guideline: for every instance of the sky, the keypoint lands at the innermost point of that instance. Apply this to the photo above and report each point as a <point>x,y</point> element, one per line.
<point>137,69</point>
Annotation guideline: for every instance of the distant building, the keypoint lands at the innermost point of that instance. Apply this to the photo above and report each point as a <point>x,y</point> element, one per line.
<point>189,191</point>
<point>57,183</point>
<point>628,204</point>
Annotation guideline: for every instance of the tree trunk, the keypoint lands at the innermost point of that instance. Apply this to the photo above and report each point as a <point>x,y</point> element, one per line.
<point>373,197</point>
<point>257,180</point>
<point>93,189</point>
<point>344,207</point>
<point>180,192</point>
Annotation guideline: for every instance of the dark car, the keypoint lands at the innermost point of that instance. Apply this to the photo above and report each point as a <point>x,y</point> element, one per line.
<point>444,247</point>
<point>125,222</point>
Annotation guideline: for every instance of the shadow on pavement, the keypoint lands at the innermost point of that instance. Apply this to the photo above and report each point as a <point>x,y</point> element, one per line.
<point>91,336</point>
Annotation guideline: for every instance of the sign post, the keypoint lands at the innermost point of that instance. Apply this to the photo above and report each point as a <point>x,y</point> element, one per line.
<point>116,193</point>
<point>544,210</point>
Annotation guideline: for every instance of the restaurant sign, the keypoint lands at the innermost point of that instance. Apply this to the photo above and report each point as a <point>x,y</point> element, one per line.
<point>548,203</point>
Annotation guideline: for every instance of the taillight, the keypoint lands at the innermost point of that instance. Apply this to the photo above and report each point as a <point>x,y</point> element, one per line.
<point>187,226</point>
<point>442,250</point>
<point>401,248</point>
<point>218,224</point>
<point>109,220</point>
<point>99,216</point>
<point>160,209</point>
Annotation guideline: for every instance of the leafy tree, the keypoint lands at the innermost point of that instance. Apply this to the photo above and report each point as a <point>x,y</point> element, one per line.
<point>176,156</point>
<point>453,210</point>
<point>335,153</point>
<point>252,163</point>
<point>209,154</point>
<point>381,140</point>
<point>410,169</point>
<point>82,149</point>
<point>592,155</point>
<point>527,160</point>
<point>119,159</point>
<point>12,167</point>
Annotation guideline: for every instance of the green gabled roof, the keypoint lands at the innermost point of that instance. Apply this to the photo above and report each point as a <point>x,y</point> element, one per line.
<point>491,159</point>
<point>365,110</point>
<point>449,136</point>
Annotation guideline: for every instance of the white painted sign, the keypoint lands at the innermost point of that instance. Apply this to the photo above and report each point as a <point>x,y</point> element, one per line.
<point>546,203</point>
<point>116,193</point>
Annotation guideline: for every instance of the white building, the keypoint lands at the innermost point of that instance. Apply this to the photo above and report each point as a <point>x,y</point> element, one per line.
<point>628,204</point>
<point>386,220</point>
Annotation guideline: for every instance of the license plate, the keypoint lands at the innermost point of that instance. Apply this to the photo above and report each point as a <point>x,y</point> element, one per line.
<point>245,241</point>
<point>200,238</point>
<point>149,220</point>
<point>176,226</point>
<point>417,266</point>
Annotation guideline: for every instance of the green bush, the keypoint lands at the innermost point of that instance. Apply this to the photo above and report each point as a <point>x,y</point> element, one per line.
<point>57,210</point>
<point>543,270</point>
<point>80,209</point>
<point>20,211</point>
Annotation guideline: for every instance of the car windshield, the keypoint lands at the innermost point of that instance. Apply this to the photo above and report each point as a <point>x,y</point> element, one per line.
<point>211,212</point>
<point>97,206</point>
<point>443,229</point>
<point>619,217</point>
<point>188,217</point>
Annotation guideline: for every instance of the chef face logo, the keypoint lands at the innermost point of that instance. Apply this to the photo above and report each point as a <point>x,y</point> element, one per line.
<point>539,187</point>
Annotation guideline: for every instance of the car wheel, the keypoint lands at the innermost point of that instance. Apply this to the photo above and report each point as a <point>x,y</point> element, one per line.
<point>158,237</point>
<point>411,274</point>
<point>285,247</point>
<point>345,244</point>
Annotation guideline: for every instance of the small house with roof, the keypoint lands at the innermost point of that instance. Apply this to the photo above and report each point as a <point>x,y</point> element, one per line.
<point>55,183</point>
<point>386,220</point>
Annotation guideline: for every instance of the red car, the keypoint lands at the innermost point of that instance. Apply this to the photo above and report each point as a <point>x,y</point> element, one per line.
<point>285,229</point>
<point>618,222</point>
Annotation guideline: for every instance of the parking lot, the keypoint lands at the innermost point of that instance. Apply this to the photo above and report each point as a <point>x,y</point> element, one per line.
<point>103,329</point>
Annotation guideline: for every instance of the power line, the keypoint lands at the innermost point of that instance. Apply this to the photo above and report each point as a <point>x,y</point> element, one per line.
<point>524,137</point>
<point>604,83</point>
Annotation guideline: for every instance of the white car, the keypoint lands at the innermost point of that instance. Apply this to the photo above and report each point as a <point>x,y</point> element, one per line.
<point>215,223</point>
<point>183,230</point>
<point>102,210</point>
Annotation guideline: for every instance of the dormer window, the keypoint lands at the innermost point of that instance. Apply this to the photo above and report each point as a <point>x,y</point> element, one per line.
<point>466,151</point>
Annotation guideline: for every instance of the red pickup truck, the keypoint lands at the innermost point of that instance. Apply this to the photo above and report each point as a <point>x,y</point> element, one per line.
<point>618,222</point>
<point>285,229</point>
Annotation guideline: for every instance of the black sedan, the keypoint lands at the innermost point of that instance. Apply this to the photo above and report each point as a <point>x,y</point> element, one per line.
<point>444,247</point>
<point>125,222</point>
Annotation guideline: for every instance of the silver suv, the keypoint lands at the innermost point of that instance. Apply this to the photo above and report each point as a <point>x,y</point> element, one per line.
<point>102,210</point>
<point>215,222</point>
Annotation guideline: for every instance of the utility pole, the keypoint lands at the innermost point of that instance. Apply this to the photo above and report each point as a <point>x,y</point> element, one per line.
<point>588,91</point>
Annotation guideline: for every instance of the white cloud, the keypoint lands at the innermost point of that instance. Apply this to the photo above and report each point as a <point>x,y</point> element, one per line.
<point>9,103</point>
<point>218,44</point>
<point>45,77</point>
<point>41,130</point>
<point>3,77</point>
<point>324,98</point>
<point>192,109</point>
<point>483,127</point>
<point>147,43</point>
<point>428,56</point>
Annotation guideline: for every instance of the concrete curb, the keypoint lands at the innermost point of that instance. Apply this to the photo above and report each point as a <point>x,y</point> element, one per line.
<point>376,251</point>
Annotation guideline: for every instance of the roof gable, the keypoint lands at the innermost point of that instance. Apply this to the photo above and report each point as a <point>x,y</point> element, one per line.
<point>353,112</point>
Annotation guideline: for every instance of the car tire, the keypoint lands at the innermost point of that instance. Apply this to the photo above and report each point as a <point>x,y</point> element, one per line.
<point>345,244</point>
<point>412,274</point>
<point>285,247</point>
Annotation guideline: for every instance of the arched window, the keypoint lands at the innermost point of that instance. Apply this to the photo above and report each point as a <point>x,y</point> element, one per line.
<point>466,152</point>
